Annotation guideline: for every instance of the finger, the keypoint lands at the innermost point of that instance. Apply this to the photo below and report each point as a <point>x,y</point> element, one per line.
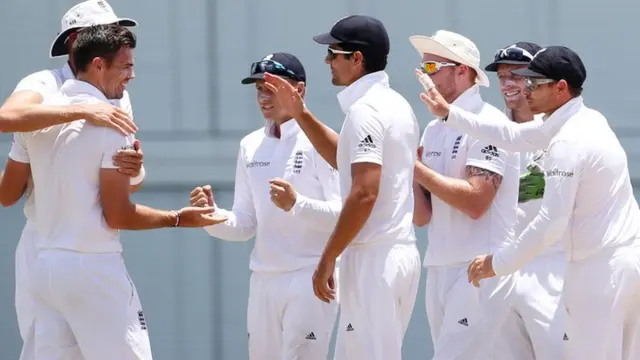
<point>277,188</point>
<point>205,210</point>
<point>426,81</point>
<point>119,127</point>
<point>123,118</point>
<point>127,160</point>
<point>272,88</point>
<point>200,203</point>
<point>136,145</point>
<point>274,79</point>
<point>215,218</point>
<point>427,100</point>
<point>284,184</point>
<point>195,191</point>
<point>207,190</point>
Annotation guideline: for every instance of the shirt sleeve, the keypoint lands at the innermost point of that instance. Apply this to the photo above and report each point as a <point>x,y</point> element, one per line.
<point>241,221</point>
<point>511,136</point>
<point>321,214</point>
<point>486,156</point>
<point>112,142</point>
<point>562,177</point>
<point>366,133</point>
<point>19,151</point>
<point>42,82</point>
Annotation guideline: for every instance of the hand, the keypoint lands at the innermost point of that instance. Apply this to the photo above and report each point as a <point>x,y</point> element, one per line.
<point>202,196</point>
<point>285,94</point>
<point>129,162</point>
<point>107,115</point>
<point>480,268</point>
<point>282,194</point>
<point>324,284</point>
<point>199,217</point>
<point>432,97</point>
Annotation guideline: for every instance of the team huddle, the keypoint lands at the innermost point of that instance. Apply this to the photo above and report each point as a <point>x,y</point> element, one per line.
<point>533,230</point>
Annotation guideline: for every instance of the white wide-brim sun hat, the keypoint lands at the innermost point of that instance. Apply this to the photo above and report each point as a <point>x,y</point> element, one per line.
<point>454,47</point>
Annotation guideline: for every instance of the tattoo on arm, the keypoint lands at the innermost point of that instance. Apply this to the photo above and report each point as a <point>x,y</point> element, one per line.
<point>490,176</point>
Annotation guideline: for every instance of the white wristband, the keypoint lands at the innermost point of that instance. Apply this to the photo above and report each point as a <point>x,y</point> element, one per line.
<point>138,179</point>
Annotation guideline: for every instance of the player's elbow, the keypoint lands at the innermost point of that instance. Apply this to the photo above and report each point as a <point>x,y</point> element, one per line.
<point>366,196</point>
<point>114,220</point>
<point>476,209</point>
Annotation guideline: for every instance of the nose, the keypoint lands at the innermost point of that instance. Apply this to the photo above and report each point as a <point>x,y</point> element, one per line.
<point>527,92</point>
<point>132,75</point>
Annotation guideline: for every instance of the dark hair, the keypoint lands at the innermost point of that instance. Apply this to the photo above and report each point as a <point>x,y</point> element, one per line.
<point>575,92</point>
<point>374,59</point>
<point>102,41</point>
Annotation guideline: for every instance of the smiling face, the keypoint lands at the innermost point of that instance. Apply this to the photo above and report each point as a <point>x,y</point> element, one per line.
<point>269,107</point>
<point>512,86</point>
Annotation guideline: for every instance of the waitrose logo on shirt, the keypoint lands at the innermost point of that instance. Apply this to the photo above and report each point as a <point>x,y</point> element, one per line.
<point>256,163</point>
<point>558,172</point>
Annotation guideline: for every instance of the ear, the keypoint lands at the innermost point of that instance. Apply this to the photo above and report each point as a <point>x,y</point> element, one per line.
<point>562,86</point>
<point>98,63</point>
<point>358,57</point>
<point>301,88</point>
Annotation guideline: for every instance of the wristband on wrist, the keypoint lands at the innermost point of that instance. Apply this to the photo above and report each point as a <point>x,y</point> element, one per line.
<point>177,213</point>
<point>138,179</point>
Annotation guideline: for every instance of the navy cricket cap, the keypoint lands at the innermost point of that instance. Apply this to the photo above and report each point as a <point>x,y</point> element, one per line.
<point>520,53</point>
<point>358,30</point>
<point>281,64</point>
<point>556,63</point>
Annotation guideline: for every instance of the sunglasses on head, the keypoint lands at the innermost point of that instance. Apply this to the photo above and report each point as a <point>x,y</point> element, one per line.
<point>532,83</point>
<point>432,67</point>
<point>272,67</point>
<point>513,53</point>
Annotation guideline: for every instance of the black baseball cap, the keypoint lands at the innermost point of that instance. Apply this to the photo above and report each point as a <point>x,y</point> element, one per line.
<point>556,63</point>
<point>358,30</point>
<point>520,53</point>
<point>281,64</point>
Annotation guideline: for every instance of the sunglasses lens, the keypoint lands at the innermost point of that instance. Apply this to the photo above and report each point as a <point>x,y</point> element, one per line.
<point>430,67</point>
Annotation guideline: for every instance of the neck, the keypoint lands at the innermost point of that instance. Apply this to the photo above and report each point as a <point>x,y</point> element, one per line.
<point>522,114</point>
<point>72,65</point>
<point>276,127</point>
<point>84,77</point>
<point>457,94</point>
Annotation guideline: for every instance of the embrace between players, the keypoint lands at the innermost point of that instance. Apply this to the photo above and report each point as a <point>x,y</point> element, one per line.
<point>333,214</point>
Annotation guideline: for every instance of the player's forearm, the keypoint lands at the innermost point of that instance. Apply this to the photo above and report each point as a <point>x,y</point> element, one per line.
<point>355,213</point>
<point>541,232</point>
<point>422,206</point>
<point>239,226</point>
<point>318,214</point>
<point>36,117</point>
<point>323,138</point>
<point>458,193</point>
<point>140,217</point>
<point>507,135</point>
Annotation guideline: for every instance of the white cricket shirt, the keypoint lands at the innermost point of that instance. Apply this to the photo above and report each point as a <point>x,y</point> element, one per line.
<point>47,83</point>
<point>65,164</point>
<point>285,241</point>
<point>588,201</point>
<point>454,237</point>
<point>527,211</point>
<point>381,128</point>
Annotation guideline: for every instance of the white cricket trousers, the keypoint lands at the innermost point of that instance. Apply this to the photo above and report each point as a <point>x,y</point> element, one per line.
<point>378,287</point>
<point>285,320</point>
<point>602,296</point>
<point>88,302</point>
<point>24,259</point>
<point>534,326</point>
<point>464,320</point>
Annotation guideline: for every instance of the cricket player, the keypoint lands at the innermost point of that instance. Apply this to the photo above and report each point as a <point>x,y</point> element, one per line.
<point>534,327</point>
<point>23,111</point>
<point>473,188</point>
<point>375,154</point>
<point>84,299</point>
<point>588,203</point>
<point>288,197</point>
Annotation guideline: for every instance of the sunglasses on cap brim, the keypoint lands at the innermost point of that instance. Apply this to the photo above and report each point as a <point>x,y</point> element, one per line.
<point>272,67</point>
<point>513,53</point>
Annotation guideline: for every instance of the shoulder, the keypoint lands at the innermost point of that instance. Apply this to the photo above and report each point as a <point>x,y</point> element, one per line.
<point>124,103</point>
<point>253,138</point>
<point>44,82</point>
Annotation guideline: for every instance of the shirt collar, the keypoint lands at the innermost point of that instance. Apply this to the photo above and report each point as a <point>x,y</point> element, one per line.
<point>287,129</point>
<point>73,87</point>
<point>355,91</point>
<point>67,73</point>
<point>470,100</point>
<point>553,122</point>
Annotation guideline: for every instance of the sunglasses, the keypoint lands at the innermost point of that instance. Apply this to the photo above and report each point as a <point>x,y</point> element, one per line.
<point>272,67</point>
<point>513,53</point>
<point>432,67</point>
<point>332,53</point>
<point>531,83</point>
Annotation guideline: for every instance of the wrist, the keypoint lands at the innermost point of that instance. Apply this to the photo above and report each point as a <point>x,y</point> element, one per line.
<point>175,218</point>
<point>137,179</point>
